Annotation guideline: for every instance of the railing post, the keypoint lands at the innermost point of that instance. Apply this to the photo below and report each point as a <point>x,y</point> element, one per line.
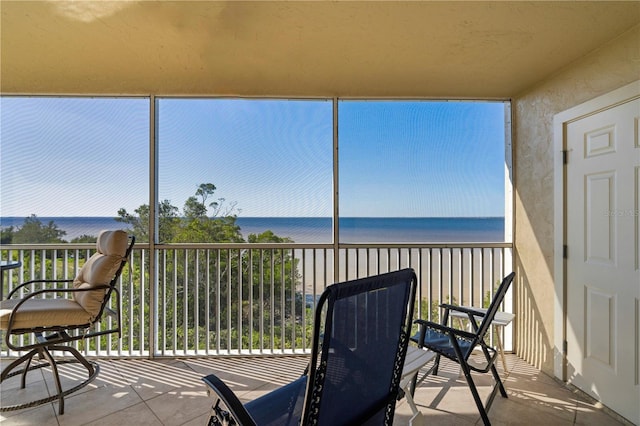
<point>153,228</point>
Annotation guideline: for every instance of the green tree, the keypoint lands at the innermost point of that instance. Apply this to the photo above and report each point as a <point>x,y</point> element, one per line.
<point>139,222</point>
<point>6,235</point>
<point>195,208</point>
<point>84,238</point>
<point>33,231</point>
<point>238,271</point>
<point>263,279</point>
<point>197,227</point>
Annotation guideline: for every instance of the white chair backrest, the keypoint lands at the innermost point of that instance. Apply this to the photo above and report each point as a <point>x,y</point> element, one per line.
<point>100,269</point>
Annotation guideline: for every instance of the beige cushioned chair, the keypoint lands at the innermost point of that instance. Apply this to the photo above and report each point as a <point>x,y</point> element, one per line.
<point>62,313</point>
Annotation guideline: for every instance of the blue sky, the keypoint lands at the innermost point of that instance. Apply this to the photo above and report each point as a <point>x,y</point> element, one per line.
<point>423,159</point>
<point>72,156</point>
<point>89,157</point>
<point>271,157</point>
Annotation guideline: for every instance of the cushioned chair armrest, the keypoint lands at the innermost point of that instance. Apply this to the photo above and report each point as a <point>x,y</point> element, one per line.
<point>15,289</point>
<point>235,407</point>
<point>60,290</point>
<point>444,329</point>
<point>28,296</point>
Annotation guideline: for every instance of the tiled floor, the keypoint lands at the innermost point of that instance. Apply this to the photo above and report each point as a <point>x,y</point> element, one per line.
<point>170,392</point>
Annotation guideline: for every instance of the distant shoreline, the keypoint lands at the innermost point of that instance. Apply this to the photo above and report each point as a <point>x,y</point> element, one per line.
<point>319,229</point>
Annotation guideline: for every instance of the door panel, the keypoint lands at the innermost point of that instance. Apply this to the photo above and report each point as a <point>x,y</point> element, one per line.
<point>602,275</point>
<point>600,246</point>
<point>600,330</point>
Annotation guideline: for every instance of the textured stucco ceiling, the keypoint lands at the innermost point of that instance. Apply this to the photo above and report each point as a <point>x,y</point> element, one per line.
<point>324,48</point>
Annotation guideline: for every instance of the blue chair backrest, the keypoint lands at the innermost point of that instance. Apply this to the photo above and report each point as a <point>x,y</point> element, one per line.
<point>498,297</point>
<point>360,340</point>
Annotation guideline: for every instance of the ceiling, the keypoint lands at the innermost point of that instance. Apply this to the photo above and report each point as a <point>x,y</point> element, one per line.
<point>450,49</point>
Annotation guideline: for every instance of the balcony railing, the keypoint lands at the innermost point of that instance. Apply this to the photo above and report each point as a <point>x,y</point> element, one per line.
<point>233,299</point>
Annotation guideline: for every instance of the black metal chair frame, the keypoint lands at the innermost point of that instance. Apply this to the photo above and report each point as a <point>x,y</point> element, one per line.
<point>57,338</point>
<point>458,345</point>
<point>314,380</point>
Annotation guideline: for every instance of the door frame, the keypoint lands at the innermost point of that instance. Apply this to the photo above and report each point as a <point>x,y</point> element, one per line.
<point>616,97</point>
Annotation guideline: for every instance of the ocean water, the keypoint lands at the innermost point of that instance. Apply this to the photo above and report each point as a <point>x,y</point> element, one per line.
<point>319,230</point>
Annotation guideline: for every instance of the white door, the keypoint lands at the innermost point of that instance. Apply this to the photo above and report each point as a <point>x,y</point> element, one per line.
<point>603,256</point>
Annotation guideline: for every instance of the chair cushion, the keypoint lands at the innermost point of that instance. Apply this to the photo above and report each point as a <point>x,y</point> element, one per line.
<point>112,243</point>
<point>100,269</point>
<point>43,313</point>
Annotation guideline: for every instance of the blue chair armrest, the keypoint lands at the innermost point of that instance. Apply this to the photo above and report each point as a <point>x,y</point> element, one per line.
<point>233,404</point>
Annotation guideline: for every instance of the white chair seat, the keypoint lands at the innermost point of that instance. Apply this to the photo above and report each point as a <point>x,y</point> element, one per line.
<point>43,313</point>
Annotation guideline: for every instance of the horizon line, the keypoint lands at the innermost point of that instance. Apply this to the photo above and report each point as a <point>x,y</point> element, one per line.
<point>286,217</point>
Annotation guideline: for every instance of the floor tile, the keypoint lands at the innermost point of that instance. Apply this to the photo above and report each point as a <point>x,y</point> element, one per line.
<point>97,403</point>
<point>151,378</point>
<point>138,415</point>
<point>170,392</point>
<point>180,405</point>
<point>42,415</point>
<point>202,420</point>
<point>12,393</point>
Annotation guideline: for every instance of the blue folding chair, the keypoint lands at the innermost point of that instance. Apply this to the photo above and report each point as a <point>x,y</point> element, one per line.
<point>361,332</point>
<point>458,345</point>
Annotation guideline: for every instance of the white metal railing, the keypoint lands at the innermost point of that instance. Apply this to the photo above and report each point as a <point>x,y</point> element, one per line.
<point>231,299</point>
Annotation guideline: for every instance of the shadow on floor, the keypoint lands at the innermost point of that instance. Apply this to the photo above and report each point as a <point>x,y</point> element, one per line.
<point>170,392</point>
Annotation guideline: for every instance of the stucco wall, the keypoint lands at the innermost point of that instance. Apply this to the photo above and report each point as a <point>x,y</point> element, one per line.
<point>613,65</point>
